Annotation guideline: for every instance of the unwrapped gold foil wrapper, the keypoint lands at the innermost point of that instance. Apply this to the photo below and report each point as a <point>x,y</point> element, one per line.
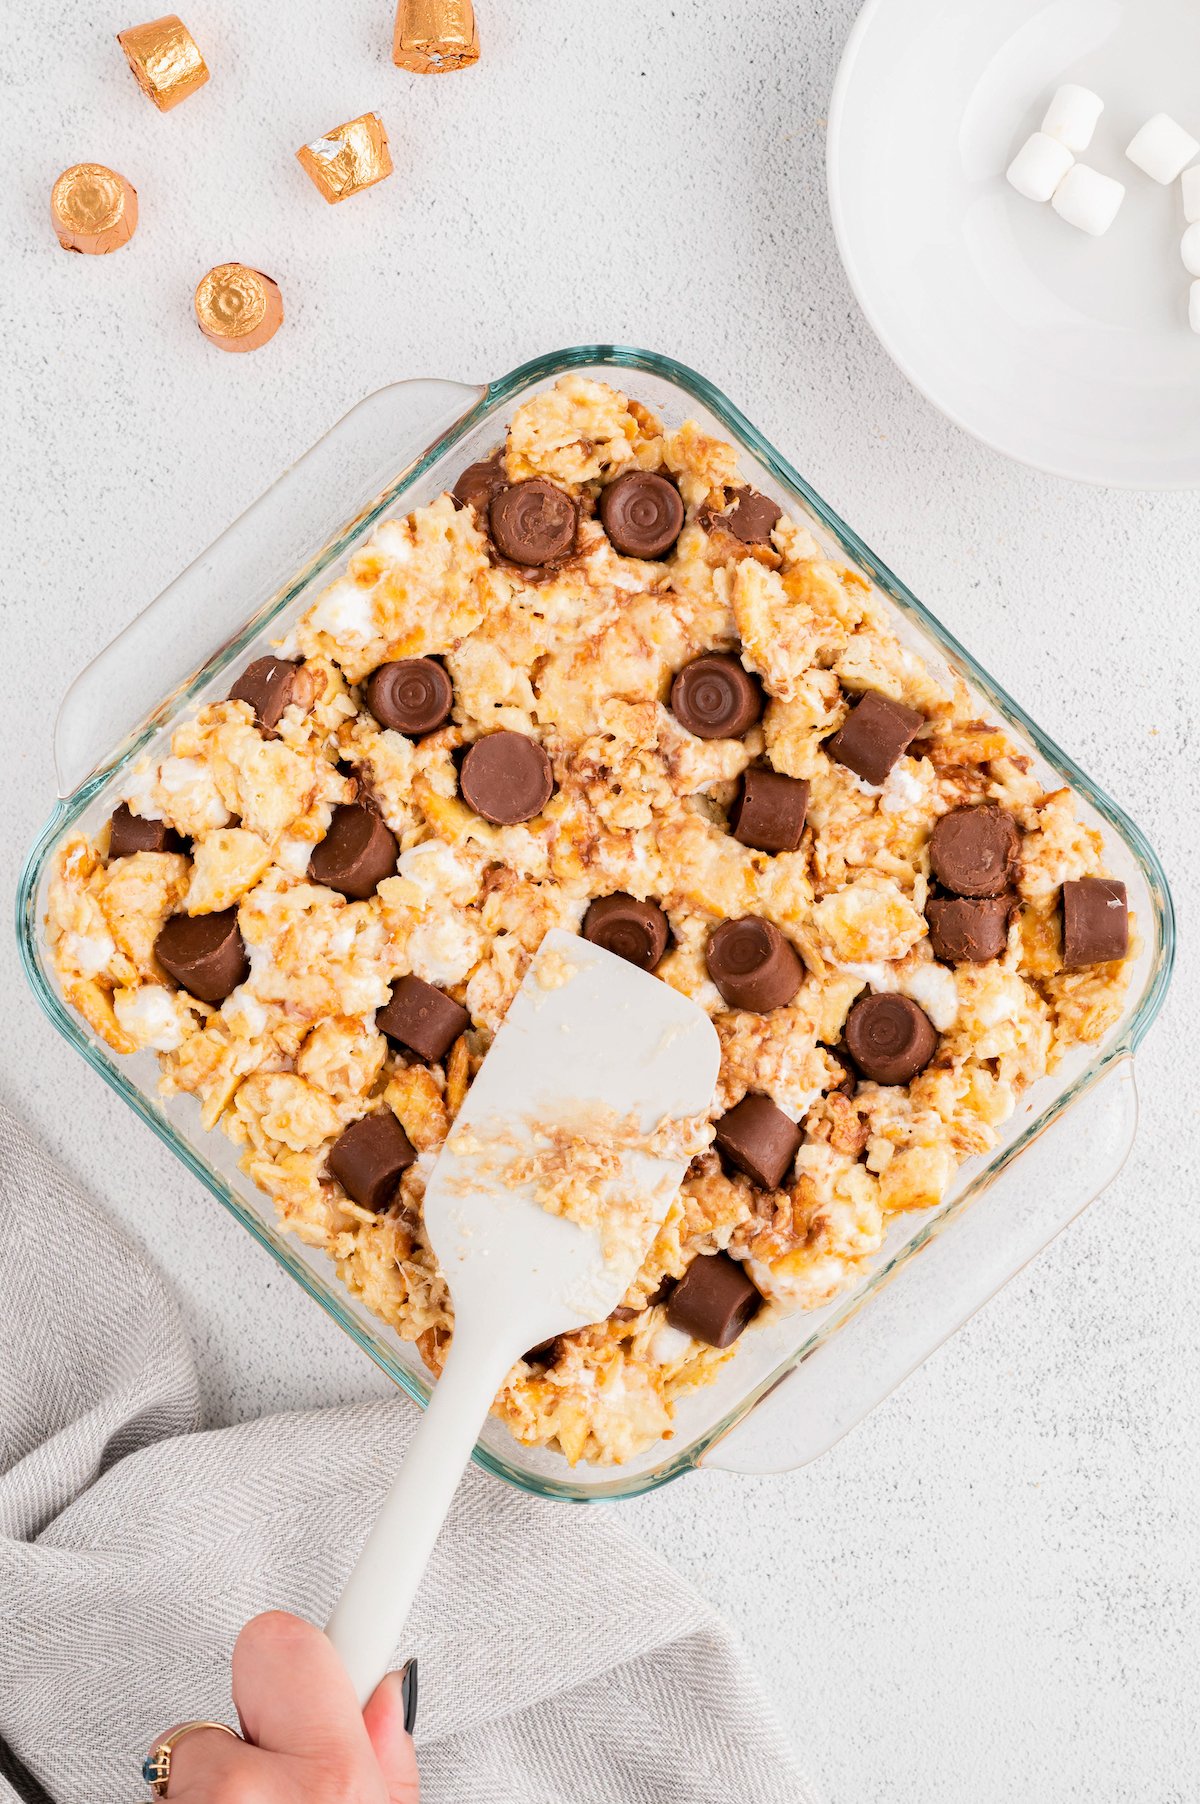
<point>435,36</point>
<point>165,59</point>
<point>93,209</point>
<point>238,308</point>
<point>348,159</point>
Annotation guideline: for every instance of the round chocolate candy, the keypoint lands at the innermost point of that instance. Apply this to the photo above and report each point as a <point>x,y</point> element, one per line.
<point>770,810</point>
<point>412,696</point>
<point>129,832</point>
<point>506,777</point>
<point>1095,913</point>
<point>751,518</point>
<point>714,1300</point>
<point>889,1038</point>
<point>533,522</point>
<point>356,854</point>
<point>480,482</point>
<point>642,513</point>
<point>205,954</point>
<point>369,1158</point>
<point>715,697</point>
<point>973,851</point>
<point>968,929</point>
<point>752,964</point>
<point>270,685</point>
<point>422,1017</point>
<point>759,1139</point>
<point>634,930</point>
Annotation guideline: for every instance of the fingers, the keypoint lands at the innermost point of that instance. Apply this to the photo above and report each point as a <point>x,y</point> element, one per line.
<point>293,1694</point>
<point>384,1717</point>
<point>207,1766</point>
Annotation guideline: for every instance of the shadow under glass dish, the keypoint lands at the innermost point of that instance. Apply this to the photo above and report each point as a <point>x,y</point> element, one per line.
<point>795,1385</point>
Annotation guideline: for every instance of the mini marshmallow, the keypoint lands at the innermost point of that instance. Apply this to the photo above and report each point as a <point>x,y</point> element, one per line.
<point>1072,116</point>
<point>1190,180</point>
<point>1194,306</point>
<point>1189,249</point>
<point>1162,148</point>
<point>1039,166</point>
<point>1087,199</point>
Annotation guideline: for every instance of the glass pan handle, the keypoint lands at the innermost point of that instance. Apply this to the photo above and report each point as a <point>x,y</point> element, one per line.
<point>235,583</point>
<point>941,1286</point>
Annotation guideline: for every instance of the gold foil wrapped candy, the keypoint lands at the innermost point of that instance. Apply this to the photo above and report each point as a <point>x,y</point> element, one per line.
<point>165,59</point>
<point>93,209</point>
<point>348,159</point>
<point>238,308</point>
<point>435,36</point>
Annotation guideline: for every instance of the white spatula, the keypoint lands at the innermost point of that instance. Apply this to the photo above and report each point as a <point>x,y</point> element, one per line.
<point>591,1047</point>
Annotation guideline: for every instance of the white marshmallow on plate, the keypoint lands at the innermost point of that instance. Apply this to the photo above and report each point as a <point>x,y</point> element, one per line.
<point>1039,166</point>
<point>1189,249</point>
<point>1190,182</point>
<point>1072,116</point>
<point>1087,199</point>
<point>1194,306</point>
<point>1162,148</point>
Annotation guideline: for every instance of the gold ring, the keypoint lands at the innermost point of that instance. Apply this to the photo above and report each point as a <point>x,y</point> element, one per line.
<point>156,1767</point>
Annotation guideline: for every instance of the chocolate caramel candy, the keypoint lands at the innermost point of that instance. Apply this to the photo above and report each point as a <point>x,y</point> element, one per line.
<point>973,851</point>
<point>479,483</point>
<point>642,513</point>
<point>634,930</point>
<point>270,685</point>
<point>770,809</point>
<point>356,854</point>
<point>413,696</point>
<point>205,954</point>
<point>348,159</point>
<point>751,518</point>
<point>435,37</point>
<point>532,522</point>
<point>873,735</point>
<point>93,209</point>
<point>752,964</point>
<point>759,1139</point>
<point>714,1300</point>
<point>369,1158</point>
<point>129,832</point>
<point>506,777</point>
<point>715,697</point>
<point>889,1038</point>
<point>237,308</point>
<point>1095,922</point>
<point>423,1018</point>
<point>969,929</point>
<point>165,60</point>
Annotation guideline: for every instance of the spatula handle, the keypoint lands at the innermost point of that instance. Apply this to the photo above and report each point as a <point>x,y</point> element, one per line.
<point>368,1619</point>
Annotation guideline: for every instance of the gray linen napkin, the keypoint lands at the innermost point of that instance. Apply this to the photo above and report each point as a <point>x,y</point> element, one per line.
<point>560,1662</point>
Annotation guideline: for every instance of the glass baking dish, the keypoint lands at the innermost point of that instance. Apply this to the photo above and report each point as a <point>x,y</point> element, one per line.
<point>795,1386</point>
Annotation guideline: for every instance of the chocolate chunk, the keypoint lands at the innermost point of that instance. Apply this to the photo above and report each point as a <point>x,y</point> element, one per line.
<point>714,697</point>
<point>752,964</point>
<point>848,1083</point>
<point>269,685</point>
<point>506,777</point>
<point>770,809</point>
<point>889,1038</point>
<point>714,1300</point>
<point>412,696</point>
<point>968,929</point>
<point>634,930</point>
<point>422,1017</point>
<point>751,518</point>
<point>1095,922</point>
<point>973,851</point>
<point>369,1158</point>
<point>129,832</point>
<point>760,1140</point>
<point>873,735</point>
<point>642,514</point>
<point>205,954</point>
<point>479,482</point>
<point>356,854</point>
<point>533,522</point>
<point>544,1354</point>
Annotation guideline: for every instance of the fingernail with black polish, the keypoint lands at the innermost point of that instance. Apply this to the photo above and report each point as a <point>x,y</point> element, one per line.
<point>408,1694</point>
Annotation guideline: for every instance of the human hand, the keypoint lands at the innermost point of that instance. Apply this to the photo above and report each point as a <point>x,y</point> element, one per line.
<point>305,1739</point>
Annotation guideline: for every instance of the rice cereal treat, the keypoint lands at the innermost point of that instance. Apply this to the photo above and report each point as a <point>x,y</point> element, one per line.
<point>603,685</point>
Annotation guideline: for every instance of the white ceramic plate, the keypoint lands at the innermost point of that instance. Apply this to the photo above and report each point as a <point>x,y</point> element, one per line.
<point>1071,353</point>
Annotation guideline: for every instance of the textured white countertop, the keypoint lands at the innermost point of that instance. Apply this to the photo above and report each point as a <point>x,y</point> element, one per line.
<point>988,1591</point>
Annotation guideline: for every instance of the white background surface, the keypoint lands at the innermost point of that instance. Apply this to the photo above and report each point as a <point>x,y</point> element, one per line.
<point>988,1591</point>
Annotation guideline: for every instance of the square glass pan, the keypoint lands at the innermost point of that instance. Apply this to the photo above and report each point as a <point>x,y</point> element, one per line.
<point>794,1386</point>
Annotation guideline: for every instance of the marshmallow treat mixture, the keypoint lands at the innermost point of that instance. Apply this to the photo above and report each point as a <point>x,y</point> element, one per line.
<point>605,687</point>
